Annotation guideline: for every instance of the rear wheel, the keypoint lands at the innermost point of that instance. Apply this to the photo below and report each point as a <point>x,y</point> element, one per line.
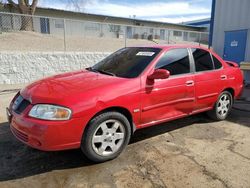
<point>106,136</point>
<point>222,107</point>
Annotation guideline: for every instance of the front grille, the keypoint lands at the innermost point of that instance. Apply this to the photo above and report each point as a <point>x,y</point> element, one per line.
<point>20,104</point>
<point>23,137</point>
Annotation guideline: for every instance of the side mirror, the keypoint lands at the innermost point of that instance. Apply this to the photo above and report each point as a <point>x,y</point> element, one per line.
<point>159,74</point>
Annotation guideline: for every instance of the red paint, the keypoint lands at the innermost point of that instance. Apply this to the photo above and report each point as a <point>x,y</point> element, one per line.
<point>149,100</point>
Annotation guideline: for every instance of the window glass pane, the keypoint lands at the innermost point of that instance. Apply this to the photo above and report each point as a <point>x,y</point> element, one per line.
<point>202,59</point>
<point>176,61</point>
<point>217,63</point>
<point>128,62</point>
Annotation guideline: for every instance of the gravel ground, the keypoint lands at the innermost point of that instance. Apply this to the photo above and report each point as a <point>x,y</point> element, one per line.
<point>190,152</point>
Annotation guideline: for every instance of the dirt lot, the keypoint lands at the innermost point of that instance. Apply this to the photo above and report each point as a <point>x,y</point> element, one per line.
<point>191,152</point>
<point>31,41</point>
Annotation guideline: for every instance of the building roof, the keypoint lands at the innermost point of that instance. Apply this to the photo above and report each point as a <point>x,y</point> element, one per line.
<point>115,17</point>
<point>198,22</point>
<point>51,12</point>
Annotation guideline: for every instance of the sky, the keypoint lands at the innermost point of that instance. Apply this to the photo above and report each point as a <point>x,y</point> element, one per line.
<point>172,11</point>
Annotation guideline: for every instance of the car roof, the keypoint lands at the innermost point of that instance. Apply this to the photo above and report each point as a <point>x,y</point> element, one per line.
<point>167,46</point>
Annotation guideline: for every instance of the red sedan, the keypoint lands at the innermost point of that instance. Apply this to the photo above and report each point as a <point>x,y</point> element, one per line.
<point>99,108</point>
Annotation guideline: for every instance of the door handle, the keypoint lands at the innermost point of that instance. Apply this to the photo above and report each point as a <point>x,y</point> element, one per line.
<point>190,83</point>
<point>223,77</point>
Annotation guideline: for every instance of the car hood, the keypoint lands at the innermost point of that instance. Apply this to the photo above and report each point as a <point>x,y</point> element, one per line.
<point>56,88</point>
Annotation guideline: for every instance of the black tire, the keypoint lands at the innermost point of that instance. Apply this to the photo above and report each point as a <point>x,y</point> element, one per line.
<point>90,149</point>
<point>216,114</point>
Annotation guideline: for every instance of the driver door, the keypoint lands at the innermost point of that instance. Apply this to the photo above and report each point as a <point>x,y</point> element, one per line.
<point>170,98</point>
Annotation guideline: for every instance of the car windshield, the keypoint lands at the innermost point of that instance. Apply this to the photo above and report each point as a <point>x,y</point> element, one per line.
<point>126,62</point>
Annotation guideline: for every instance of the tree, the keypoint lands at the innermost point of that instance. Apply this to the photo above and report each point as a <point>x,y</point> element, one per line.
<point>76,5</point>
<point>28,8</point>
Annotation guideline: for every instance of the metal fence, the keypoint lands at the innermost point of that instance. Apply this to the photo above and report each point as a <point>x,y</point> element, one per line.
<point>34,33</point>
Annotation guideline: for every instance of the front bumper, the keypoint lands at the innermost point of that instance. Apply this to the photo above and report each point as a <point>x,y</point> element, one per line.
<point>46,135</point>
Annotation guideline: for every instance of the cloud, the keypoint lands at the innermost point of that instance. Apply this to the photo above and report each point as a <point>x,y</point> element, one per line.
<point>179,19</point>
<point>144,10</point>
<point>167,11</point>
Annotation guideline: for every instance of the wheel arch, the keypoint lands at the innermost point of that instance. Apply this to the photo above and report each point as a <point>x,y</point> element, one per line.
<point>122,110</point>
<point>230,90</point>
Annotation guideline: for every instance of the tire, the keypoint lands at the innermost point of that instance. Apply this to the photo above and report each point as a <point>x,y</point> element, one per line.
<point>222,107</point>
<point>106,136</point>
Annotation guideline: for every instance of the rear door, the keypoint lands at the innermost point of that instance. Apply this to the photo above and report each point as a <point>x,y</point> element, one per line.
<point>169,98</point>
<point>207,80</point>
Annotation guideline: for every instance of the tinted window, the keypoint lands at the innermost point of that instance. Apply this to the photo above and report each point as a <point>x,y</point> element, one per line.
<point>217,63</point>
<point>176,61</point>
<point>127,62</point>
<point>202,59</point>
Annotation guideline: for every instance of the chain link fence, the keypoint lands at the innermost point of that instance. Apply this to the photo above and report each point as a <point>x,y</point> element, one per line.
<point>34,33</point>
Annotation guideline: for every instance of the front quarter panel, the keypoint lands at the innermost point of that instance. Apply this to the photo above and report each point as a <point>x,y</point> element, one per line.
<point>124,94</point>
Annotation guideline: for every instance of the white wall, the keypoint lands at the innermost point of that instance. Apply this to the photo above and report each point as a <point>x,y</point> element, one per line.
<point>21,67</point>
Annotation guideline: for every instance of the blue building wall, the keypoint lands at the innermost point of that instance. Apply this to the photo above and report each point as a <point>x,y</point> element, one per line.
<point>230,15</point>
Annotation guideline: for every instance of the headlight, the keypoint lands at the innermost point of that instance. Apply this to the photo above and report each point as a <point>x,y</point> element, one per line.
<point>50,112</point>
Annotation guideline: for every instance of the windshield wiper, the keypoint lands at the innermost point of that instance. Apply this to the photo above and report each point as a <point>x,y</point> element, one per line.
<point>100,71</point>
<point>91,69</point>
<point>106,72</point>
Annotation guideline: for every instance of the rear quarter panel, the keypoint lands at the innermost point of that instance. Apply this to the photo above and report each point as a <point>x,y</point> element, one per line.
<point>234,80</point>
<point>234,76</point>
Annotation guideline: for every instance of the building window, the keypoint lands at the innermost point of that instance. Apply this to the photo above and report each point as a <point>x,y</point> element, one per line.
<point>59,24</point>
<point>114,28</point>
<point>177,33</point>
<point>193,35</point>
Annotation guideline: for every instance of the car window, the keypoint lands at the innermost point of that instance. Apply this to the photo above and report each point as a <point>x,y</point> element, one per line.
<point>176,61</point>
<point>217,63</point>
<point>127,62</point>
<point>202,60</point>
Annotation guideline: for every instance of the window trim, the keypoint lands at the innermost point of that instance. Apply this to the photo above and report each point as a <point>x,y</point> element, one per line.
<point>190,62</point>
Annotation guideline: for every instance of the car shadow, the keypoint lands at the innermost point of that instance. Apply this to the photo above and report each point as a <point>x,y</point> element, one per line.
<point>241,110</point>
<point>163,128</point>
<point>240,116</point>
<point>18,160</point>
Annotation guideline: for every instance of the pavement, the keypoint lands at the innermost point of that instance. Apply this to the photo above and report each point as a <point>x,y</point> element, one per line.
<point>190,152</point>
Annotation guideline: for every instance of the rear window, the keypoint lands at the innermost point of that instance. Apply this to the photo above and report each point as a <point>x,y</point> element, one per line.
<point>128,62</point>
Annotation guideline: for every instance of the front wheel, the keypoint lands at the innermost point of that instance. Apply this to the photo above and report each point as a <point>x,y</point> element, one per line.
<point>222,107</point>
<point>106,136</point>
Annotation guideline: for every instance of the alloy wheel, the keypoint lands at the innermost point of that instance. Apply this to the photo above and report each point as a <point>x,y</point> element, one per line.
<point>108,137</point>
<point>224,105</point>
